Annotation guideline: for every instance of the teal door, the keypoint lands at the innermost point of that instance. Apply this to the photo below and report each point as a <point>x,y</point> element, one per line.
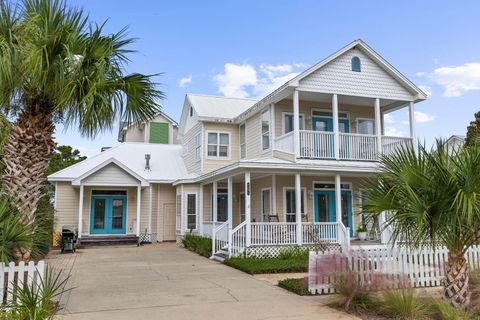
<point>325,207</point>
<point>222,207</point>
<point>326,125</point>
<point>108,215</point>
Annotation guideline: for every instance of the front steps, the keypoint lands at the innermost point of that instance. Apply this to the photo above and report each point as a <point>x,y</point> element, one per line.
<point>92,241</point>
<point>220,256</point>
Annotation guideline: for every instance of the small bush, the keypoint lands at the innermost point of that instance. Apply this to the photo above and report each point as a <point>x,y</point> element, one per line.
<point>447,312</point>
<point>198,244</point>
<point>404,304</point>
<point>268,265</point>
<point>293,253</point>
<point>298,286</point>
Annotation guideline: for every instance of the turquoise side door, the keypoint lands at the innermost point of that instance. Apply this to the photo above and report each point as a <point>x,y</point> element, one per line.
<point>325,207</point>
<point>326,125</point>
<point>108,215</point>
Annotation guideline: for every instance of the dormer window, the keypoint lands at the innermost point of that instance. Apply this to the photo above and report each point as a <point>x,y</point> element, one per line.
<point>356,66</point>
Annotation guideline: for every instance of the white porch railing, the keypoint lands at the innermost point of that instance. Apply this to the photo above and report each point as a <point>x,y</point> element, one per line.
<point>220,235</point>
<point>391,144</point>
<point>355,146</point>
<point>319,232</point>
<point>273,233</point>
<point>316,144</point>
<point>208,227</point>
<point>285,143</point>
<point>343,236</point>
<point>238,238</point>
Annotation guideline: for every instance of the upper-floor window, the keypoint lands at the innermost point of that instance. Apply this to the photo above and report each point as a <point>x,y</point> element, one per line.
<point>356,65</point>
<point>218,144</point>
<point>198,146</point>
<point>365,126</point>
<point>287,122</point>
<point>243,141</point>
<point>266,129</point>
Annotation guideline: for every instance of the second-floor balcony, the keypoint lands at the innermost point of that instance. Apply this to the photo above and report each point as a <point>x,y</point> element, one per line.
<point>351,146</point>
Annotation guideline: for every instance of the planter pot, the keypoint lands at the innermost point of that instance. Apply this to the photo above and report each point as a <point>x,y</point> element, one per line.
<point>362,236</point>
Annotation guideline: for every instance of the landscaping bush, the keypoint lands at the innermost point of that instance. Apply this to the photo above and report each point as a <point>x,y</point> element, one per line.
<point>298,286</point>
<point>293,253</point>
<point>404,304</point>
<point>198,244</point>
<point>268,265</point>
<point>447,312</point>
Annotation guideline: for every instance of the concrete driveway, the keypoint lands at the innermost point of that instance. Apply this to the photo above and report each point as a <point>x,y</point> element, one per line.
<point>163,281</point>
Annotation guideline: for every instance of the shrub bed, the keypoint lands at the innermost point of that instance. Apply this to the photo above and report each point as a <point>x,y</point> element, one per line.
<point>198,244</point>
<point>298,286</point>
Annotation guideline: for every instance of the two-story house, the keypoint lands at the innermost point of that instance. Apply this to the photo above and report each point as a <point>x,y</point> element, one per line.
<point>255,176</point>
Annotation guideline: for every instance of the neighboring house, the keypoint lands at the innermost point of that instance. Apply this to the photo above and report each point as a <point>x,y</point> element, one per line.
<point>455,143</point>
<point>161,129</point>
<point>253,175</point>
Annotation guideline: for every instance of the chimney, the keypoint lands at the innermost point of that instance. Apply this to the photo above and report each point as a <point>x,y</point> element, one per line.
<point>147,161</point>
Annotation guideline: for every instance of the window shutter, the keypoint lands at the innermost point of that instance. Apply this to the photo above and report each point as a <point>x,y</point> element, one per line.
<point>159,132</point>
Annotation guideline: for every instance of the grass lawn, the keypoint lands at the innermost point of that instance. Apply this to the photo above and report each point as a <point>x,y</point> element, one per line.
<point>269,265</point>
<point>298,286</point>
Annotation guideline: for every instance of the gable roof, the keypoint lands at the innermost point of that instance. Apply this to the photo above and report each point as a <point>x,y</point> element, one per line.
<point>125,125</point>
<point>166,163</point>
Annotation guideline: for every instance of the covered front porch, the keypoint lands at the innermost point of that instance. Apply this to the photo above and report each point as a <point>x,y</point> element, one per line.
<point>263,208</point>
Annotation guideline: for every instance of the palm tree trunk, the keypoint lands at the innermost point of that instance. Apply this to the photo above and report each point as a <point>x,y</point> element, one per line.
<point>456,288</point>
<point>27,156</point>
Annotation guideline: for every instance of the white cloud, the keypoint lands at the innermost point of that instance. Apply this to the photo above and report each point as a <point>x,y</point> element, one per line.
<point>388,118</point>
<point>457,80</point>
<point>420,74</point>
<point>185,81</point>
<point>423,117</point>
<point>244,80</point>
<point>428,90</point>
<point>394,132</point>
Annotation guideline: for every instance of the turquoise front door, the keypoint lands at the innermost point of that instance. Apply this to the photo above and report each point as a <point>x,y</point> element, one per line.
<point>222,207</point>
<point>325,207</point>
<point>326,125</point>
<point>108,215</point>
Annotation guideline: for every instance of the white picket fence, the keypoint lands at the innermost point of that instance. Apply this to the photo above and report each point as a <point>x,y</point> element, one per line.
<point>21,275</point>
<point>397,266</point>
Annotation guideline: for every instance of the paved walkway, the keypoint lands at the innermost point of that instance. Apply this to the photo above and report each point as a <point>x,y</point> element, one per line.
<point>163,281</point>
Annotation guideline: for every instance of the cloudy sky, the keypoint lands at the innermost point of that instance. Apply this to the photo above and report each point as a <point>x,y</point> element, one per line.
<point>247,48</point>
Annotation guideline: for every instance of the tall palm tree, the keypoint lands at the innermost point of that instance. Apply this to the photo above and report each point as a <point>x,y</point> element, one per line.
<point>56,67</point>
<point>434,197</point>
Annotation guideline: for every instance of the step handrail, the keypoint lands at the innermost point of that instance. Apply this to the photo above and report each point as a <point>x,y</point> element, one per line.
<point>217,229</point>
<point>234,246</point>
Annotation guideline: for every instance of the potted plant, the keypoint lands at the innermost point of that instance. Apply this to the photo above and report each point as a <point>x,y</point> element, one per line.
<point>362,233</point>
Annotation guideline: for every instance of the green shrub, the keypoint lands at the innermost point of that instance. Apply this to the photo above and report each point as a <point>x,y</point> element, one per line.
<point>293,253</point>
<point>268,265</point>
<point>447,312</point>
<point>404,304</point>
<point>198,244</point>
<point>298,286</point>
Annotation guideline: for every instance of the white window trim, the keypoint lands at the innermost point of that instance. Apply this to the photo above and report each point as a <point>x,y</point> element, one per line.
<point>261,202</point>
<point>269,130</point>
<point>198,138</point>
<point>305,204</point>
<point>196,210</point>
<point>370,119</point>
<point>327,110</point>
<point>240,206</point>
<point>350,188</point>
<point>218,157</point>
<point>291,114</point>
<point>239,140</point>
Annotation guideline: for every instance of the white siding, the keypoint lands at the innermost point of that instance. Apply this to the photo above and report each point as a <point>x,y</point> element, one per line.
<point>188,143</point>
<point>111,174</point>
<point>67,199</point>
<point>338,77</point>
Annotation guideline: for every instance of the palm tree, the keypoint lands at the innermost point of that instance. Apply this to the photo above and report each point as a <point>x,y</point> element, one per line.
<point>58,68</point>
<point>433,197</point>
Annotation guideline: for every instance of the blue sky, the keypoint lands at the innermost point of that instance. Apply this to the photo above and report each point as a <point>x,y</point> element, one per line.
<point>245,48</point>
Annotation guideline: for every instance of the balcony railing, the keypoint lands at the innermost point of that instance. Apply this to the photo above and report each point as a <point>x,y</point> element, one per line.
<point>352,146</point>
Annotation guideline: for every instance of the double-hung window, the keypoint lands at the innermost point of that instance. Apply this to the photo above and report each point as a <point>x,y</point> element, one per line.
<point>266,129</point>
<point>218,145</point>
<point>198,146</point>
<point>191,211</point>
<point>290,204</point>
<point>366,126</point>
<point>243,141</point>
<point>288,122</point>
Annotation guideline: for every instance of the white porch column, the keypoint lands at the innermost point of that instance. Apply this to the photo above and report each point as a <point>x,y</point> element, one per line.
<point>200,210</point>
<point>139,202</point>
<point>411,116</point>
<point>214,201</point>
<point>298,207</point>
<point>274,194</point>
<point>338,198</point>
<point>296,124</point>
<point>378,125</point>
<point>230,212</point>
<point>336,130</point>
<point>150,212</point>
<point>248,213</point>
<point>80,213</point>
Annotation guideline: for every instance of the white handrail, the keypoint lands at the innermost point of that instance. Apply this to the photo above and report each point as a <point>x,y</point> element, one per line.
<point>316,144</point>
<point>285,143</point>
<point>343,236</point>
<point>354,146</point>
<point>219,237</point>
<point>273,233</point>
<point>238,238</point>
<point>391,144</point>
<point>319,232</point>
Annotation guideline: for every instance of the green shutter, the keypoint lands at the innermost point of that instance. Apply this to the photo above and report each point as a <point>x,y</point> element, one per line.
<point>159,132</point>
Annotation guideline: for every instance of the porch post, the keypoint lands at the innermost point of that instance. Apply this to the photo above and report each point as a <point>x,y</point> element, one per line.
<point>214,201</point>
<point>230,212</point>
<point>80,213</point>
<point>200,210</point>
<point>411,115</point>
<point>378,126</point>
<point>248,213</point>
<point>298,208</point>
<point>274,194</point>
<point>336,131</point>
<point>139,202</point>
<point>296,124</point>
<point>150,212</point>
<point>338,198</point>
